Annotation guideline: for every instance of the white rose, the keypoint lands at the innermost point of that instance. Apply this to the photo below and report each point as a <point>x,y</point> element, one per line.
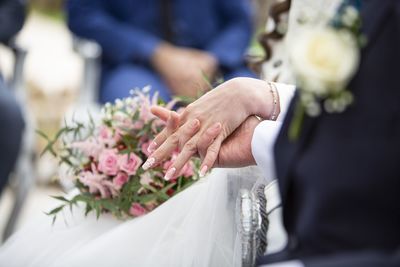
<point>324,59</point>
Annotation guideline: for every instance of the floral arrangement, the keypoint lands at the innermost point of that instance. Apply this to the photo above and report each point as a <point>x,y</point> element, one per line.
<point>104,160</point>
<point>324,59</point>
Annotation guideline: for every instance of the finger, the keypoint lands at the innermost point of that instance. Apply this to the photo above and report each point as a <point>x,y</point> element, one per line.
<point>171,126</point>
<point>188,150</point>
<point>160,112</point>
<point>211,155</point>
<point>207,138</point>
<point>181,136</point>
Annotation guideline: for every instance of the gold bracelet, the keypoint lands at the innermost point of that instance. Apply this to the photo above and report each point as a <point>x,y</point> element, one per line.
<point>274,93</point>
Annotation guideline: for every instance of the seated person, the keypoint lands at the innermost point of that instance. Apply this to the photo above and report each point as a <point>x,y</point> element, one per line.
<point>12,15</point>
<point>11,133</point>
<point>170,45</point>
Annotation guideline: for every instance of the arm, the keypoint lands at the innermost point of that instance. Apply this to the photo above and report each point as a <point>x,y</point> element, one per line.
<point>230,45</point>
<point>231,104</point>
<point>357,259</point>
<point>120,42</point>
<point>12,16</point>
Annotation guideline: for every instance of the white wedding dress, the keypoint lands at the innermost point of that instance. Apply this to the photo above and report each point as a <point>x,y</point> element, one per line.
<point>195,228</point>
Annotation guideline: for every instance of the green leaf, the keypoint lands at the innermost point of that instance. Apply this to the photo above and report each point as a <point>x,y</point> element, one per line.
<point>109,206</point>
<point>88,209</point>
<point>55,210</point>
<point>60,198</point>
<point>54,220</point>
<point>151,188</point>
<point>147,198</point>
<point>179,183</point>
<point>42,134</point>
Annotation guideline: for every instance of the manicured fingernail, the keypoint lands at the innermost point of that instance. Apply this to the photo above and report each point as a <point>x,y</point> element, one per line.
<point>170,173</point>
<point>149,163</point>
<point>152,147</point>
<point>203,171</point>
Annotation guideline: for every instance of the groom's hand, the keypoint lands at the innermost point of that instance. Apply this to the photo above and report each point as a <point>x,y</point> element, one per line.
<point>235,151</point>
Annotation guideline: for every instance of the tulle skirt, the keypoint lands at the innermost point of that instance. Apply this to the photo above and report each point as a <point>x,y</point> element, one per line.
<point>194,228</point>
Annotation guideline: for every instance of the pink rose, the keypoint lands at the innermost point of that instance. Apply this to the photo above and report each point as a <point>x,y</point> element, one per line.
<point>89,147</point>
<point>137,210</point>
<point>106,136</point>
<point>105,132</point>
<point>108,162</point>
<point>187,170</point>
<point>137,125</point>
<point>120,180</point>
<point>118,135</point>
<point>129,163</point>
<point>145,147</point>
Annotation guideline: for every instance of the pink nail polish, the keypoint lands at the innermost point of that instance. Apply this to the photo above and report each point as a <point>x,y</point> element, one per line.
<point>170,173</point>
<point>152,147</point>
<point>148,164</point>
<point>203,171</point>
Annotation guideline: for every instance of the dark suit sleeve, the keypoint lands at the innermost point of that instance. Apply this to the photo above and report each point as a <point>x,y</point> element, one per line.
<point>360,259</point>
<point>120,42</point>
<point>231,43</point>
<point>12,16</point>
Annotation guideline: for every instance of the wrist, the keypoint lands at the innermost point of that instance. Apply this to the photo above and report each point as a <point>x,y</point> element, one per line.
<point>263,100</point>
<point>275,110</point>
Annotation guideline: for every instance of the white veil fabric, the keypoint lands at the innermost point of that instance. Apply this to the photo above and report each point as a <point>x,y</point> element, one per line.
<point>194,228</point>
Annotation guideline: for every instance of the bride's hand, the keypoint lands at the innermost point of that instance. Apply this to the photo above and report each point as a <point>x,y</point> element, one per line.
<point>235,151</point>
<point>230,104</point>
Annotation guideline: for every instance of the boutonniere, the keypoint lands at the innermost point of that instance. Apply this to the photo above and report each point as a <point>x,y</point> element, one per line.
<point>324,59</point>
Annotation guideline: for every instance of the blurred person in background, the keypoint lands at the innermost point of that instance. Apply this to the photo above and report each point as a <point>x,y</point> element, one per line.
<point>12,16</point>
<point>174,46</point>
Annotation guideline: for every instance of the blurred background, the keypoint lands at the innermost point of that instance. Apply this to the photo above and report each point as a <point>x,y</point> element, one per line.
<point>52,74</point>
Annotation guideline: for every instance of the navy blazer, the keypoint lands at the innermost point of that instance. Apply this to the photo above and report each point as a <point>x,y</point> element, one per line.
<point>12,17</point>
<point>131,29</point>
<point>340,182</point>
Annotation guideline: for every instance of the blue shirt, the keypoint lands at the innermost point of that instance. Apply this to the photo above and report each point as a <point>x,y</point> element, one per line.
<point>130,30</point>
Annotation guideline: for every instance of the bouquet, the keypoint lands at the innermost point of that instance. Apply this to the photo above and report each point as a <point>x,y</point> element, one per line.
<point>104,160</point>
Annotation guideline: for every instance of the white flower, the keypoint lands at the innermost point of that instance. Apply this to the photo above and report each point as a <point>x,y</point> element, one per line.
<point>324,59</point>
<point>146,89</point>
<point>118,103</point>
<point>350,16</point>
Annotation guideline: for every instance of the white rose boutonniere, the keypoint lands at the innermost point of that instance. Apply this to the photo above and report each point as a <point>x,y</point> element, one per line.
<point>324,59</point>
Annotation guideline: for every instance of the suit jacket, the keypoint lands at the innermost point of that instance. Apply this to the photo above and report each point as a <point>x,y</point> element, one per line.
<point>131,29</point>
<point>12,17</point>
<point>340,182</point>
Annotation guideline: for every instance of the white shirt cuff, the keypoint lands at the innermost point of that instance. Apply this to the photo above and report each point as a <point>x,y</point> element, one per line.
<point>265,134</point>
<point>262,146</point>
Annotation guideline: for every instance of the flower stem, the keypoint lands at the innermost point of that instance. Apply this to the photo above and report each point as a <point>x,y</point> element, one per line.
<point>296,122</point>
